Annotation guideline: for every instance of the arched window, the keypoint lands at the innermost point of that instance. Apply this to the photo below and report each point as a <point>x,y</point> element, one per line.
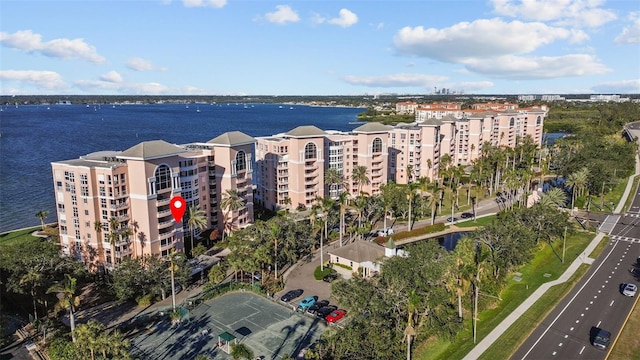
<point>377,145</point>
<point>512,122</point>
<point>310,151</point>
<point>241,161</point>
<point>163,177</point>
<point>538,120</point>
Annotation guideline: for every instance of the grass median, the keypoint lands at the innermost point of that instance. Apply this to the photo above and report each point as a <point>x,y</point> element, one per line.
<point>546,266</point>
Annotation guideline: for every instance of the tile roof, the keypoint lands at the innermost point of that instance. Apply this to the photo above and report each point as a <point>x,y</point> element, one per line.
<point>306,131</point>
<point>232,138</point>
<point>372,127</point>
<point>151,150</point>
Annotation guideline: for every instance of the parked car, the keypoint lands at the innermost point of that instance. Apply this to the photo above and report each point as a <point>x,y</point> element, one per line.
<point>466,215</point>
<point>452,219</point>
<point>330,277</point>
<point>317,306</point>
<point>306,302</point>
<point>336,315</point>
<point>326,310</point>
<point>629,289</point>
<point>387,232</point>
<point>290,295</point>
<point>601,339</point>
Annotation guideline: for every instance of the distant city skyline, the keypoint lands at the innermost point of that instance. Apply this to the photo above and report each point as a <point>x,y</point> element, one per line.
<point>220,47</point>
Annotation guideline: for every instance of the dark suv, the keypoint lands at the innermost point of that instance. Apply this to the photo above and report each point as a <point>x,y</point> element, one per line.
<point>602,339</point>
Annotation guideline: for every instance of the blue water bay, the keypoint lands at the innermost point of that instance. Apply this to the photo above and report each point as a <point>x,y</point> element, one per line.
<point>31,137</point>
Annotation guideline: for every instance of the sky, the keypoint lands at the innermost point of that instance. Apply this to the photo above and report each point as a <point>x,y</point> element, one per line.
<point>319,47</point>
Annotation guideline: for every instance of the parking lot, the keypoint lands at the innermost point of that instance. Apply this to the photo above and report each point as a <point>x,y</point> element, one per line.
<point>271,330</point>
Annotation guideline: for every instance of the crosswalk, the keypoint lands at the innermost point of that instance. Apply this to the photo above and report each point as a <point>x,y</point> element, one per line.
<point>625,238</point>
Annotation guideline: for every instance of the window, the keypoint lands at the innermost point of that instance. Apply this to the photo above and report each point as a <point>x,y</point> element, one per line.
<point>163,177</point>
<point>241,161</point>
<point>310,151</point>
<point>377,145</point>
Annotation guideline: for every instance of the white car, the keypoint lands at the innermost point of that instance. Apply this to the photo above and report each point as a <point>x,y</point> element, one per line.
<point>629,289</point>
<point>385,233</point>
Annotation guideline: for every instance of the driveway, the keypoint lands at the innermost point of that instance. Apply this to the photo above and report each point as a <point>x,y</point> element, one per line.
<point>300,276</point>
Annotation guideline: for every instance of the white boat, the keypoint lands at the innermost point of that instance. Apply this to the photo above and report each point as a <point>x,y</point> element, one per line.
<point>198,109</point>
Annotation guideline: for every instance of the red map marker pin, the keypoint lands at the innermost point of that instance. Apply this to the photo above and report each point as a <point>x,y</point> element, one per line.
<point>178,206</point>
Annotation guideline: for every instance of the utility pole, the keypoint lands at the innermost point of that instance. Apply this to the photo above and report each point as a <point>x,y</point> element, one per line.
<point>564,243</point>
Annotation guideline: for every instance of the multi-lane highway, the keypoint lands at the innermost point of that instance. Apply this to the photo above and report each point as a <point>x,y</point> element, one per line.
<point>595,302</point>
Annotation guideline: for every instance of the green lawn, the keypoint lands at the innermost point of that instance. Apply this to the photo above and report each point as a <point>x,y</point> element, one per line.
<point>17,236</point>
<point>547,261</point>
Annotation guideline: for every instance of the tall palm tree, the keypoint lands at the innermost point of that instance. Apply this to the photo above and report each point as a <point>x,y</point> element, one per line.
<point>274,231</point>
<point>197,219</point>
<point>42,214</point>
<point>412,306</point>
<point>334,177</point>
<point>410,197</point>
<point>134,228</point>
<point>231,202</point>
<point>114,236</point>
<point>67,299</point>
<point>88,336</point>
<point>343,200</point>
<point>32,280</point>
<point>360,177</point>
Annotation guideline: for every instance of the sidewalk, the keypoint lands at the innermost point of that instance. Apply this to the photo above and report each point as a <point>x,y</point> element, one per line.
<point>494,335</point>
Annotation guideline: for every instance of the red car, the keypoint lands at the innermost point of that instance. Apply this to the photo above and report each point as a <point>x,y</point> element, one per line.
<point>336,315</point>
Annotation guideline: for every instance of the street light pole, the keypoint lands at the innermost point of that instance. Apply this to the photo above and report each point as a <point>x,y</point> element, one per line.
<point>564,243</point>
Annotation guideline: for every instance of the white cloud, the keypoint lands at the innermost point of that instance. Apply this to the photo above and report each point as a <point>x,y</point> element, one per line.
<point>111,76</point>
<point>623,87</point>
<point>630,34</point>
<point>544,67</point>
<point>346,18</point>
<point>29,42</point>
<point>140,64</point>
<point>483,38</point>
<point>396,80</point>
<point>578,13</point>
<point>204,3</point>
<point>317,19</point>
<point>282,15</point>
<point>40,79</point>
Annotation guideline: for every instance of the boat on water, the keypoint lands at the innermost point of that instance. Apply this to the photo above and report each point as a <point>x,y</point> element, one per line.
<point>198,109</point>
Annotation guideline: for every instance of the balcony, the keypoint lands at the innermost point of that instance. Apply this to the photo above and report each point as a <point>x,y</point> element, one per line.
<point>119,205</point>
<point>163,200</point>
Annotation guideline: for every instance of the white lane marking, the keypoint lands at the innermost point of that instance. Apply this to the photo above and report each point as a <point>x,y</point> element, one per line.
<point>606,282</point>
<point>602,286</point>
<point>587,308</point>
<point>599,322</point>
<point>582,315</point>
<point>566,336</point>
<point>609,276</point>
<point>570,301</point>
<point>560,344</point>
<point>595,296</point>
<point>591,302</point>
<point>581,350</point>
<point>571,329</point>
<point>612,301</point>
<point>554,353</point>
<point>577,321</point>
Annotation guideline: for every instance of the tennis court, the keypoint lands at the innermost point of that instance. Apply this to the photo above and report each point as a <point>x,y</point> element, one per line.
<point>269,329</point>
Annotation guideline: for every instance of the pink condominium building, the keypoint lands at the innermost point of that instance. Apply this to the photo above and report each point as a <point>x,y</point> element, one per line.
<point>291,167</point>
<point>127,193</point>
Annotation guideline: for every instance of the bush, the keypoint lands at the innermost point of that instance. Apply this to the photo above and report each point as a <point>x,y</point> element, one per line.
<point>319,274</point>
<point>146,300</point>
<point>344,266</point>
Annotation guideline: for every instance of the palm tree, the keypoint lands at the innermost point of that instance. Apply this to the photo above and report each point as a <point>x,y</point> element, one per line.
<point>359,176</point>
<point>32,280</point>
<point>134,228</point>
<point>334,177</point>
<point>67,299</point>
<point>231,201</point>
<point>412,306</point>
<point>553,198</point>
<point>240,350</point>
<point>42,214</point>
<point>88,336</point>
<point>410,196</point>
<point>197,219</point>
<point>114,225</point>
<point>321,211</point>
<point>343,199</point>
<point>173,267</point>
<point>274,231</point>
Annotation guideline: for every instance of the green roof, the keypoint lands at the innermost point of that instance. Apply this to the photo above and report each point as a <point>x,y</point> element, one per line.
<point>226,337</point>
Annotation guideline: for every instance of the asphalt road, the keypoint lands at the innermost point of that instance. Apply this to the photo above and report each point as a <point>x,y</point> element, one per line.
<point>595,302</point>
